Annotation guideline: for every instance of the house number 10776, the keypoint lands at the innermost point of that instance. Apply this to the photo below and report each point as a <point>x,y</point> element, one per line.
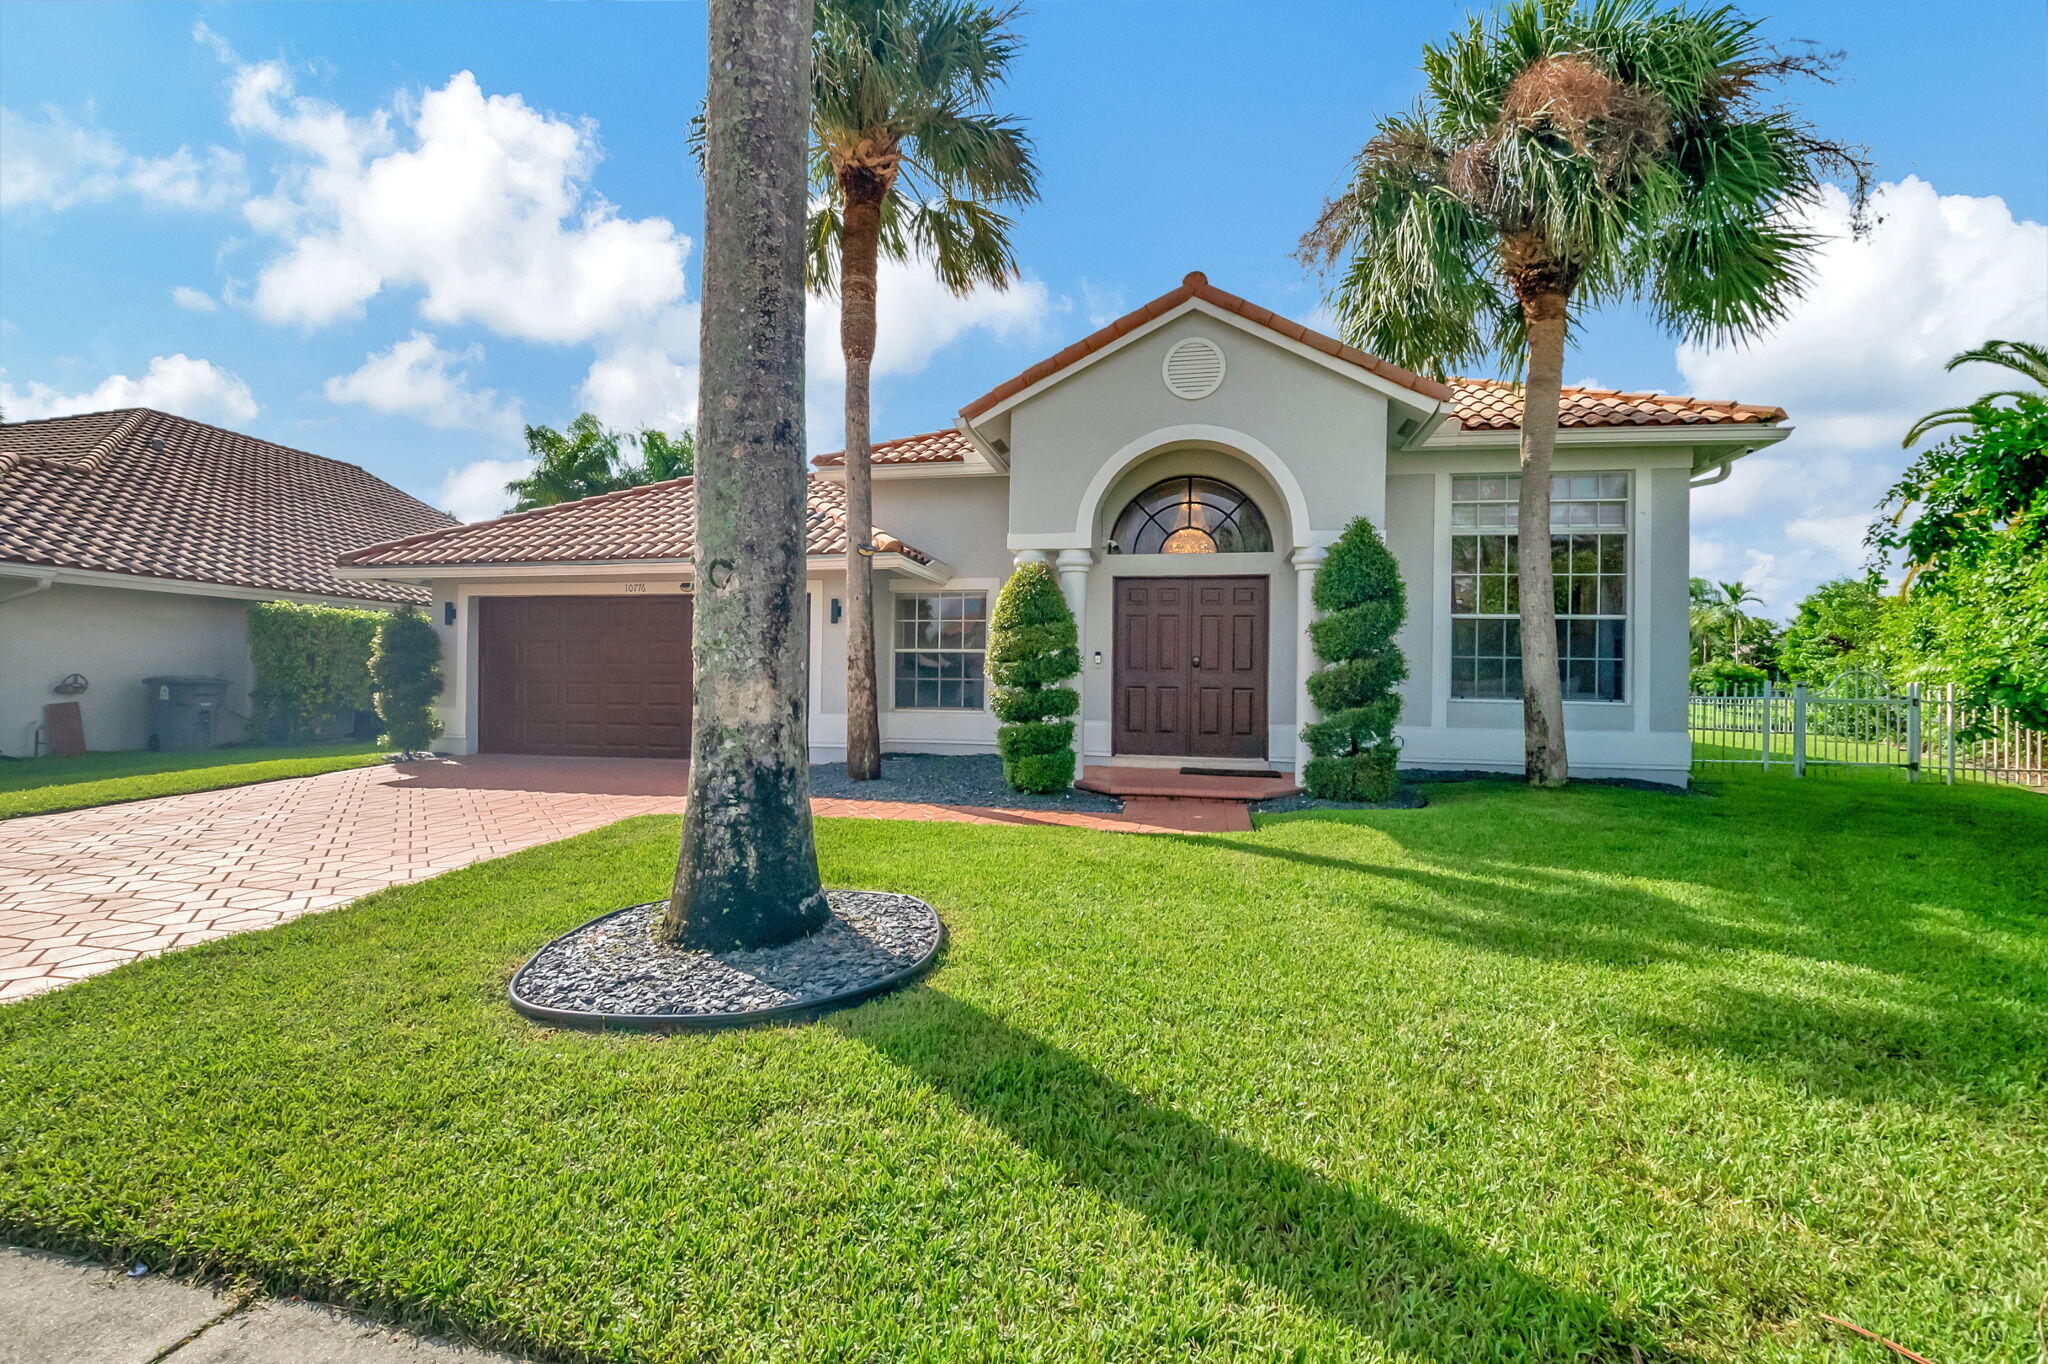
<point>636,587</point>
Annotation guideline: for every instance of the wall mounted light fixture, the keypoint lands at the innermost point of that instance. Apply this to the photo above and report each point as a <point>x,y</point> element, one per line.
<point>448,613</point>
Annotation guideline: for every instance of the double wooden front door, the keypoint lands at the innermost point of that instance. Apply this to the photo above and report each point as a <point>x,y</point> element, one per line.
<point>1190,669</point>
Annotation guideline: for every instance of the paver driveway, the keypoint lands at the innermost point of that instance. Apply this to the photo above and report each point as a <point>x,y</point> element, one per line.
<point>83,891</point>
<point>86,890</point>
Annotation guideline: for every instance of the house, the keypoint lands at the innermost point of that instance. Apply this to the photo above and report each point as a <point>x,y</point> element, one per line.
<point>1184,470</point>
<point>133,541</point>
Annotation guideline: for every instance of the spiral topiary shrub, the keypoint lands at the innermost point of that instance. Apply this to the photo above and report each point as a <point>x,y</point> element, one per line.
<point>406,668</point>
<point>1358,591</point>
<point>1032,651</point>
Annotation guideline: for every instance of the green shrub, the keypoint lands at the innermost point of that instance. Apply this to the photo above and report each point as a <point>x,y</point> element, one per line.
<point>1032,650</point>
<point>1724,676</point>
<point>1352,749</point>
<point>312,666</point>
<point>407,670</point>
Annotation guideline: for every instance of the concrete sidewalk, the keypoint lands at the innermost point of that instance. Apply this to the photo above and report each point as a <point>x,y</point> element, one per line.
<point>57,1310</point>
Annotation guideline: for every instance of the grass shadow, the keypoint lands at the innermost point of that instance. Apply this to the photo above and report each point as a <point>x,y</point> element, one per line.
<point>1341,1252</point>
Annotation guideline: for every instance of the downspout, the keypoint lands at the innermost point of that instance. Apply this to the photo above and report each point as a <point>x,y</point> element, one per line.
<point>1721,471</point>
<point>42,582</point>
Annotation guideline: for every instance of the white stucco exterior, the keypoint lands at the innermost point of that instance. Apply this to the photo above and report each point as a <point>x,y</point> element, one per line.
<point>1314,441</point>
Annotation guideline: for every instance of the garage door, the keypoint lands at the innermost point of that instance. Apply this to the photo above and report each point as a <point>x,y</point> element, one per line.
<point>598,677</point>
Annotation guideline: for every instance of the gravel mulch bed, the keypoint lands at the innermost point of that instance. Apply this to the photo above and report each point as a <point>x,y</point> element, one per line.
<point>611,970</point>
<point>941,779</point>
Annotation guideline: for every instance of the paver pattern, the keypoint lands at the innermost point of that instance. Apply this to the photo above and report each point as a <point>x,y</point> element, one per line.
<point>86,890</point>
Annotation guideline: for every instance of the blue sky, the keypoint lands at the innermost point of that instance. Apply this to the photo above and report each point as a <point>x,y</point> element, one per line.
<point>305,221</point>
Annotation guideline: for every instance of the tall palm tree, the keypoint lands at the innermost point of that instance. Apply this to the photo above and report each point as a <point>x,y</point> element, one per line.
<point>1734,596</point>
<point>2022,357</point>
<point>575,462</point>
<point>1567,155</point>
<point>908,163</point>
<point>747,875</point>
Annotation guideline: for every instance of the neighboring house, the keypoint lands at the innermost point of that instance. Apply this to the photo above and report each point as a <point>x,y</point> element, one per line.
<point>132,542</point>
<point>1184,469</point>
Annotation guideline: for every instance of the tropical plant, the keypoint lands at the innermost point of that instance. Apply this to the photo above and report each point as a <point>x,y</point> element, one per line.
<point>586,458</point>
<point>1032,650</point>
<point>312,666</point>
<point>1837,628</point>
<point>747,873</point>
<point>1568,155</point>
<point>405,668</point>
<point>1983,625</point>
<point>1724,676</point>
<point>907,164</point>
<point>2022,357</point>
<point>1964,491</point>
<point>1361,602</point>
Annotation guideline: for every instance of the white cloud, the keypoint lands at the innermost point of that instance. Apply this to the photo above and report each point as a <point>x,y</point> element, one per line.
<point>478,201</point>
<point>476,491</point>
<point>1856,362</point>
<point>196,300</point>
<point>49,161</point>
<point>198,389</point>
<point>648,376</point>
<point>416,378</point>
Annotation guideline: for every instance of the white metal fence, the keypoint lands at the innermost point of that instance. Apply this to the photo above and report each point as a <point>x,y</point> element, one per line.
<point>1858,721</point>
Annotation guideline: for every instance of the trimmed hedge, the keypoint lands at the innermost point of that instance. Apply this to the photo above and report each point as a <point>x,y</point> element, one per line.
<point>312,666</point>
<point>406,668</point>
<point>1032,650</point>
<point>1352,751</point>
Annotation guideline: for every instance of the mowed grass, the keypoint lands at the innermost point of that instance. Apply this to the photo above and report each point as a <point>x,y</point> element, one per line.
<point>40,786</point>
<point>1519,1076</point>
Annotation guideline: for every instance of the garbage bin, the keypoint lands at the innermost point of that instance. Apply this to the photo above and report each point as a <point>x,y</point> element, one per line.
<point>184,711</point>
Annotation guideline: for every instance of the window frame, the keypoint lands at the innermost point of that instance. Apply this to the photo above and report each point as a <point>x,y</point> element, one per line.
<point>897,599</point>
<point>1244,516</point>
<point>1630,571</point>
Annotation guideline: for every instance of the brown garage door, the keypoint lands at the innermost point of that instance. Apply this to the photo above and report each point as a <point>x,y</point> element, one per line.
<point>599,677</point>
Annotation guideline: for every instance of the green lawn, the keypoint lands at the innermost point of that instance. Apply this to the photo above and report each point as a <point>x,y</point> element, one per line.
<point>1519,1076</point>
<point>38,786</point>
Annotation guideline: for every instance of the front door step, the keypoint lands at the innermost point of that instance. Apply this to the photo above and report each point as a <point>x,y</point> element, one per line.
<point>1168,784</point>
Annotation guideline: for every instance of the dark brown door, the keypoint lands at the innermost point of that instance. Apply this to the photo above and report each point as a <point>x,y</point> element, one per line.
<point>598,677</point>
<point>1190,672</point>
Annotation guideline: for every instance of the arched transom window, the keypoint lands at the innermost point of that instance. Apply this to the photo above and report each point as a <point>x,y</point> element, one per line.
<point>1191,516</point>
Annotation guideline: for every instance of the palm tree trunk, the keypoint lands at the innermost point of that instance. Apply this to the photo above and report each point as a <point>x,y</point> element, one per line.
<point>1542,695</point>
<point>859,251</point>
<point>748,873</point>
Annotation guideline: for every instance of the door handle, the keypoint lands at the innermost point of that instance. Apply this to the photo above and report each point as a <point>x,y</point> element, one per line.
<point>1195,662</point>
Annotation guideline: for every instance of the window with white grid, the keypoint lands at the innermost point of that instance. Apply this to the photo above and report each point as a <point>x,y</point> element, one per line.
<point>941,640</point>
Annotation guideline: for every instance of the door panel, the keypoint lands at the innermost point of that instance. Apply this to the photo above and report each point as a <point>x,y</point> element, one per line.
<point>1190,668</point>
<point>584,676</point>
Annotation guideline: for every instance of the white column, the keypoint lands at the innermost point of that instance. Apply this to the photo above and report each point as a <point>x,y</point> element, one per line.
<point>1306,561</point>
<point>1032,556</point>
<point>1073,566</point>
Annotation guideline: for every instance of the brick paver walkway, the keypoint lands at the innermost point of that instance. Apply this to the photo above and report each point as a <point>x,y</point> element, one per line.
<point>84,891</point>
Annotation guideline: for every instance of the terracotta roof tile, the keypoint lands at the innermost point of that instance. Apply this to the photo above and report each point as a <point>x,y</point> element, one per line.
<point>1197,285</point>
<point>142,492</point>
<point>1495,405</point>
<point>656,521</point>
<point>932,447</point>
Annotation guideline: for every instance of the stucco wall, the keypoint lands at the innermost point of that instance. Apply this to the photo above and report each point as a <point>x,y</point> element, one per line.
<point>1328,430</point>
<point>115,636</point>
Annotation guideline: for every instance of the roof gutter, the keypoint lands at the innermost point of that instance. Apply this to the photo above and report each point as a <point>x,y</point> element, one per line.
<point>39,582</point>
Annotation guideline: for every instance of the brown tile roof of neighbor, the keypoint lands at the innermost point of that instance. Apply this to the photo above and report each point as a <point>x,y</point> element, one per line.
<point>932,447</point>
<point>655,521</point>
<point>1197,285</point>
<point>1495,405</point>
<point>142,492</point>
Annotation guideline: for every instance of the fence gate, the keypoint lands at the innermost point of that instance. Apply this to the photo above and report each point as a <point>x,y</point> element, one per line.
<point>1858,720</point>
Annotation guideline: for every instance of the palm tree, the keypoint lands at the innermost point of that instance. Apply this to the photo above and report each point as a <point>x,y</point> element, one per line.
<point>1570,155</point>
<point>1734,596</point>
<point>2022,357</point>
<point>747,875</point>
<point>575,462</point>
<point>662,457</point>
<point>907,162</point>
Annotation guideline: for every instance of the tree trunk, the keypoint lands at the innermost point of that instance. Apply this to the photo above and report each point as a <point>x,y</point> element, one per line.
<point>859,252</point>
<point>748,874</point>
<point>1542,695</point>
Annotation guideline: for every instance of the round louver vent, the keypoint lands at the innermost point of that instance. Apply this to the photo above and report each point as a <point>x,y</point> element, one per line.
<point>1193,368</point>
